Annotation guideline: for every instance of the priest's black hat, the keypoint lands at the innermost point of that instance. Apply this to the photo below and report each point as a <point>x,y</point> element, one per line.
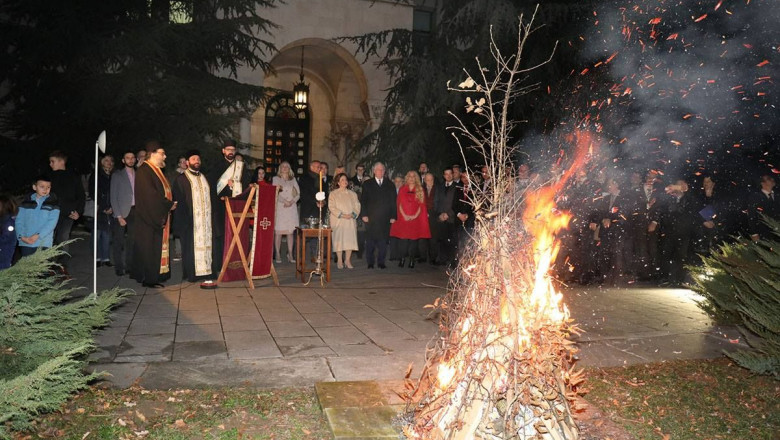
<point>191,153</point>
<point>229,143</point>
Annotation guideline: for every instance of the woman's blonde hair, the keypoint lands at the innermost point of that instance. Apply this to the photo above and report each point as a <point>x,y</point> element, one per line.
<point>418,189</point>
<point>290,175</point>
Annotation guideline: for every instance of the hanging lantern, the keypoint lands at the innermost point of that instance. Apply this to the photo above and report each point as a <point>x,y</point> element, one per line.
<point>301,90</point>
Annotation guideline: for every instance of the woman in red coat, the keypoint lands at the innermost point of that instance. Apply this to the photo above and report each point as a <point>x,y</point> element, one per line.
<point>412,218</point>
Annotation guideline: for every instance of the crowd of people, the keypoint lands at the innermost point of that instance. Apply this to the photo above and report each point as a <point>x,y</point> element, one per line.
<point>626,226</point>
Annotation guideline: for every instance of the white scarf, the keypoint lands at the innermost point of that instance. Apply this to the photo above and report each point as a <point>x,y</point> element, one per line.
<point>201,219</point>
<point>234,171</point>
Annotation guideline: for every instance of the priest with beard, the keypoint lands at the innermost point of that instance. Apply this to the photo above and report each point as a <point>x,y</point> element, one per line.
<point>229,178</point>
<point>154,203</point>
<point>192,219</point>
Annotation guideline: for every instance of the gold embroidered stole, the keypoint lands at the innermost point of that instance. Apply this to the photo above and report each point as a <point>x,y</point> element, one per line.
<point>201,222</point>
<point>165,262</point>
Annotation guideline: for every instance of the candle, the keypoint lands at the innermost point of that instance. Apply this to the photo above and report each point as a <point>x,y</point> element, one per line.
<point>320,181</point>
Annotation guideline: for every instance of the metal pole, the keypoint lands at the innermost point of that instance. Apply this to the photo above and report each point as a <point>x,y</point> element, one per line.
<point>94,226</point>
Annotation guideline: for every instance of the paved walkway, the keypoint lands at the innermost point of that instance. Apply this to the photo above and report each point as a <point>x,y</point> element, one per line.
<point>363,325</point>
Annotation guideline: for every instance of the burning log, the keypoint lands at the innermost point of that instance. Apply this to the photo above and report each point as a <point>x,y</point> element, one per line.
<point>503,367</point>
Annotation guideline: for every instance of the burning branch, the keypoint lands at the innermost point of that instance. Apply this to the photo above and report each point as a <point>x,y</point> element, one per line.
<point>502,368</point>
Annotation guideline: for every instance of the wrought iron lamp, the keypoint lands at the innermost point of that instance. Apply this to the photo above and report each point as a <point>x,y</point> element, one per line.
<point>301,90</point>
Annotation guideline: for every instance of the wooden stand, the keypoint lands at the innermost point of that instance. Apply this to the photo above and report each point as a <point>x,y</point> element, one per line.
<point>235,243</point>
<point>301,234</point>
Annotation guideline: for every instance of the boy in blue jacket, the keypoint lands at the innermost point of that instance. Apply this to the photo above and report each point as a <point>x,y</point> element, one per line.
<point>37,218</point>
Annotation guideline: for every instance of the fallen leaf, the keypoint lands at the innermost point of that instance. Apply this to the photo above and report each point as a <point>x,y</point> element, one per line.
<point>140,416</point>
<point>121,422</point>
<point>179,423</point>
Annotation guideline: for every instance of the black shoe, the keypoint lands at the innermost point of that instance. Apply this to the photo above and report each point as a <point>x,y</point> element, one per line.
<point>382,266</point>
<point>411,263</point>
<point>152,285</point>
<point>401,263</point>
<point>120,273</point>
<point>98,264</point>
<point>108,264</point>
<point>370,266</point>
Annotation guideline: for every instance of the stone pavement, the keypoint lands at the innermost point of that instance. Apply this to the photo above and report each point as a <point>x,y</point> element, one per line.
<point>363,325</point>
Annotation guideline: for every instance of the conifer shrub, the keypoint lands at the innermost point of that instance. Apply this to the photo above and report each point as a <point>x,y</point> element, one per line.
<point>45,337</point>
<point>740,282</point>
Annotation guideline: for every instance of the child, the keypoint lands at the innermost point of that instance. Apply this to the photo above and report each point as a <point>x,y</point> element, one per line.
<point>7,230</point>
<point>37,218</point>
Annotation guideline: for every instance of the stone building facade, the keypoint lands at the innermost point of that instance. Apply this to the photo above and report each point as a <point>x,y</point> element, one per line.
<point>346,93</point>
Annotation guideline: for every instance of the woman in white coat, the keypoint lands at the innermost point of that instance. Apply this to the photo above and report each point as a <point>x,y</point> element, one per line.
<point>344,208</point>
<point>286,209</point>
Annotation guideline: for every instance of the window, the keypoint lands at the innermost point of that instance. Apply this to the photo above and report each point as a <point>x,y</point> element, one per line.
<point>422,21</point>
<point>286,135</point>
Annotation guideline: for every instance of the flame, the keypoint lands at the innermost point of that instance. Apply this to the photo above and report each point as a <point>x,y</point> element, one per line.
<point>543,221</point>
<point>521,308</point>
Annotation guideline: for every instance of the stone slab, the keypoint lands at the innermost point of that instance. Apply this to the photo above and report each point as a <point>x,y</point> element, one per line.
<point>303,346</point>
<point>119,375</point>
<point>318,320</point>
<point>290,329</point>
<point>145,348</point>
<point>349,394</point>
<point>198,351</point>
<point>342,335</point>
<point>363,423</point>
<point>206,332</point>
<point>243,323</point>
<point>268,373</point>
<point>152,326</point>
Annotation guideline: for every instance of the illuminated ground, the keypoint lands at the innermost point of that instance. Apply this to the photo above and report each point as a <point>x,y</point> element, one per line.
<point>364,325</point>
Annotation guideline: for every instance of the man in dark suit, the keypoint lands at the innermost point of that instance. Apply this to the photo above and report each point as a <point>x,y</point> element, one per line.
<point>359,177</point>
<point>765,202</point>
<point>445,218</point>
<point>465,216</point>
<point>123,207</point>
<point>679,218</point>
<point>611,218</point>
<point>378,211</point>
<point>309,185</point>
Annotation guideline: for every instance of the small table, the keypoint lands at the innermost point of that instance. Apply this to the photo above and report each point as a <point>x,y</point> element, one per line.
<point>301,234</point>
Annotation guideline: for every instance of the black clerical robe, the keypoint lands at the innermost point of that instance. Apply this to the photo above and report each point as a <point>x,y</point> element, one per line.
<point>192,224</point>
<point>218,209</point>
<point>153,202</point>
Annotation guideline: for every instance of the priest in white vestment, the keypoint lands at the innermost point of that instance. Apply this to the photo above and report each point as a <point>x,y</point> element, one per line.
<point>192,221</point>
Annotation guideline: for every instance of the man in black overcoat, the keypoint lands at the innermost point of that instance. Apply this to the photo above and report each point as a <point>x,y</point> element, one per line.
<point>154,201</point>
<point>378,211</point>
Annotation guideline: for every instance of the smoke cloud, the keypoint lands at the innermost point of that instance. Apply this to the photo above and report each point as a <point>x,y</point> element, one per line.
<point>684,86</point>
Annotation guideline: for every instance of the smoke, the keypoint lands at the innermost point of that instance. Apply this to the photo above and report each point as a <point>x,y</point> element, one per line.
<point>684,86</point>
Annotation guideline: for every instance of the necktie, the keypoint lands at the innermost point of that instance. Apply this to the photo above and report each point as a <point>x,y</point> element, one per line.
<point>379,182</point>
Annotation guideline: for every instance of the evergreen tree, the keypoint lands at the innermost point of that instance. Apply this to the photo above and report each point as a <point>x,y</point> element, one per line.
<point>44,339</point>
<point>415,120</point>
<point>741,282</point>
<point>139,69</point>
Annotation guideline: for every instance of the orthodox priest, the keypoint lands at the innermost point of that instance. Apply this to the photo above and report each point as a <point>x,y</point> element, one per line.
<point>192,219</point>
<point>154,203</point>
<point>227,179</point>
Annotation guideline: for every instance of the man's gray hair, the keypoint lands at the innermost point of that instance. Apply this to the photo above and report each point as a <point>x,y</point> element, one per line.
<point>373,167</point>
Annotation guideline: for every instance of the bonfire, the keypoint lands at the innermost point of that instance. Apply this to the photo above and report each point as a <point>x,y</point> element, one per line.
<point>503,365</point>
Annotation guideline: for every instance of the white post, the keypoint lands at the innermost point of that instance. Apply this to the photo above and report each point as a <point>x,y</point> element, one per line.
<point>94,225</point>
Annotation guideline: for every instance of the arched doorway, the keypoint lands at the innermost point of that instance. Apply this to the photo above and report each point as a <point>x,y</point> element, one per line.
<point>287,135</point>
